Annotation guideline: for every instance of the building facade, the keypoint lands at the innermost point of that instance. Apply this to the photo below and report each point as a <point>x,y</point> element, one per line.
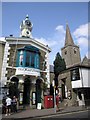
<point>74,81</point>
<point>25,61</point>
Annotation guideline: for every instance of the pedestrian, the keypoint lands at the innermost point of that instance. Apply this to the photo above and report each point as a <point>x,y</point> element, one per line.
<point>14,104</point>
<point>69,94</point>
<point>60,97</point>
<point>8,105</point>
<point>4,105</point>
<point>57,102</point>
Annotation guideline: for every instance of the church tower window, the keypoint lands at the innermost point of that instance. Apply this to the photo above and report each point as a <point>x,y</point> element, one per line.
<point>75,51</point>
<point>65,52</point>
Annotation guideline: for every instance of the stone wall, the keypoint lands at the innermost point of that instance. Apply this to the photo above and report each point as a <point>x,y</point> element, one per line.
<point>1,56</point>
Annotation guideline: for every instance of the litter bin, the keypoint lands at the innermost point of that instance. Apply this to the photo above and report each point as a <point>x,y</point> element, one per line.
<point>48,101</point>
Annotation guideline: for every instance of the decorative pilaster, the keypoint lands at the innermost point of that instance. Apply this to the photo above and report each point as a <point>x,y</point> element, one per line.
<point>47,69</point>
<point>5,64</point>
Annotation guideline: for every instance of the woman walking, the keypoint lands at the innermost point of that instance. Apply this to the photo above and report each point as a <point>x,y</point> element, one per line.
<point>14,104</point>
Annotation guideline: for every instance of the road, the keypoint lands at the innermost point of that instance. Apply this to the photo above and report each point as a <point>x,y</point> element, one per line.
<point>74,116</point>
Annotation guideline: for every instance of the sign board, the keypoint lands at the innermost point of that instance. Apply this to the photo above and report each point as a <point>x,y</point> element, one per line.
<point>39,106</point>
<point>27,71</point>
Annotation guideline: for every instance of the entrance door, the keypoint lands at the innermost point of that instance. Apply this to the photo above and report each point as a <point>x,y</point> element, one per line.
<point>26,93</point>
<point>63,91</point>
<point>38,91</point>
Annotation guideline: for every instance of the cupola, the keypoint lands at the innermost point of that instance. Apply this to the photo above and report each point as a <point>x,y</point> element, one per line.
<point>26,27</point>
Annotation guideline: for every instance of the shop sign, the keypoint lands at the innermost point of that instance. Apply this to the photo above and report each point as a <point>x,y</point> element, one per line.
<point>27,71</point>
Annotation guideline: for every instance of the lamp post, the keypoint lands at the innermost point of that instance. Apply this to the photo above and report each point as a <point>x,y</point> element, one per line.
<point>54,96</point>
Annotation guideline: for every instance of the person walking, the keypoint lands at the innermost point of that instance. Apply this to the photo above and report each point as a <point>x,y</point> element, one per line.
<point>4,105</point>
<point>57,102</point>
<point>14,104</point>
<point>8,105</point>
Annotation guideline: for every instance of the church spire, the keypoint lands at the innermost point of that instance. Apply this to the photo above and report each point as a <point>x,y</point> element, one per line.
<point>68,38</point>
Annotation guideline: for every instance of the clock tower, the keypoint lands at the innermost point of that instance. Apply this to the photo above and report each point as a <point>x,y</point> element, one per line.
<point>70,51</point>
<point>26,28</point>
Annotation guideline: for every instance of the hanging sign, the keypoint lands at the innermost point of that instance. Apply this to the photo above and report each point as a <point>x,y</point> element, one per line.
<point>39,106</point>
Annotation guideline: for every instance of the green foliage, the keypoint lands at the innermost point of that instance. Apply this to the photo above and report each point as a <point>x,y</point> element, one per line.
<point>59,64</point>
<point>44,86</point>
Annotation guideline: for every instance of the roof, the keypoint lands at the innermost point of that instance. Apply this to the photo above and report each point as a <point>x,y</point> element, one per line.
<point>68,38</point>
<point>28,40</point>
<point>29,48</point>
<point>85,61</point>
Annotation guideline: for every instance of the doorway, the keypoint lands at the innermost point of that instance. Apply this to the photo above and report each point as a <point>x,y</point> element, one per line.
<point>26,93</point>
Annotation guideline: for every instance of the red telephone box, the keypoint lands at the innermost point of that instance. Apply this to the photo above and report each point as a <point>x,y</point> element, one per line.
<point>48,101</point>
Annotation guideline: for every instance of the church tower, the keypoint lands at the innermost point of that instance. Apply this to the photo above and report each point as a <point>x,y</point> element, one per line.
<point>70,51</point>
<point>26,28</point>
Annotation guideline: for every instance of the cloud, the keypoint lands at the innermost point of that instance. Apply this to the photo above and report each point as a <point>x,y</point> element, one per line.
<point>56,42</point>
<point>81,31</point>
<point>56,39</point>
<point>42,40</point>
<point>60,29</point>
<point>82,41</point>
<point>46,41</point>
<point>81,36</point>
<point>88,54</point>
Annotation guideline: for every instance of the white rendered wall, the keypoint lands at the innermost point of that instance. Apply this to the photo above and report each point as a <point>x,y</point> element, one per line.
<point>84,75</point>
<point>76,84</point>
<point>84,79</point>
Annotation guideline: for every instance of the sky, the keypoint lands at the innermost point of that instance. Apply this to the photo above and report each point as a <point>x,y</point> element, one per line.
<point>49,23</point>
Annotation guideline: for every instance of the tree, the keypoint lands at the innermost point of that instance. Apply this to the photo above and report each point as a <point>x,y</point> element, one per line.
<point>59,66</point>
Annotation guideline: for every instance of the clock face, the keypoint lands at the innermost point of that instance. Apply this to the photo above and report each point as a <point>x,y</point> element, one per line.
<point>27,22</point>
<point>26,32</point>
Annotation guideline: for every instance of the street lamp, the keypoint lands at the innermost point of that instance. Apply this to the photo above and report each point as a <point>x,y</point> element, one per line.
<point>54,96</point>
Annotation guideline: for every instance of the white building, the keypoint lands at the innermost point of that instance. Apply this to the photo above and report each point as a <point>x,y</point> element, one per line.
<point>24,60</point>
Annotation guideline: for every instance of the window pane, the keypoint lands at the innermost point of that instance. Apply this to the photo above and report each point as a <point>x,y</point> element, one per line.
<point>75,74</point>
<point>27,58</point>
<point>32,60</point>
<point>21,58</point>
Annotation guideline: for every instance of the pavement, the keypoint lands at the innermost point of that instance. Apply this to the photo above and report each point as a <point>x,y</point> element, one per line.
<point>35,113</point>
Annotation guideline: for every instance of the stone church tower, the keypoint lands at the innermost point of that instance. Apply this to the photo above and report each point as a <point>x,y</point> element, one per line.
<point>70,51</point>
